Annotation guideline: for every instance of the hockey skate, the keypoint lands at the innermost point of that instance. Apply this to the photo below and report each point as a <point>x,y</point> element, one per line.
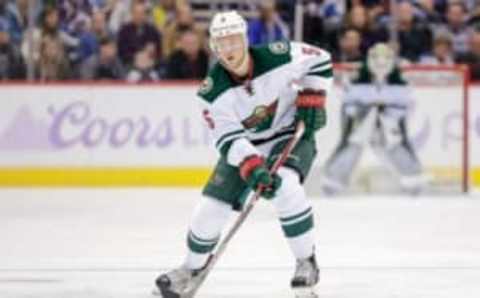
<point>178,283</point>
<point>306,278</point>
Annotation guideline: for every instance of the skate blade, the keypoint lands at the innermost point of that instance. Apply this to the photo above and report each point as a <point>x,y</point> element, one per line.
<point>307,292</point>
<point>158,293</point>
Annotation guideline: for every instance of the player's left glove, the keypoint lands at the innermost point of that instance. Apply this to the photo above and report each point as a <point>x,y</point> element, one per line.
<point>311,110</point>
<point>254,171</point>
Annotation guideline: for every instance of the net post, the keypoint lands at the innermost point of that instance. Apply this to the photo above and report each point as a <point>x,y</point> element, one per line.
<point>466,130</point>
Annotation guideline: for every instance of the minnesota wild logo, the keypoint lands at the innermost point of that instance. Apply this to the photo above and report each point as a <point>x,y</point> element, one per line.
<point>261,118</point>
<point>206,86</point>
<point>279,47</point>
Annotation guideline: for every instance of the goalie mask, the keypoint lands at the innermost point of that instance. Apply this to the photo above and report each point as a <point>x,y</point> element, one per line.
<point>380,61</point>
<point>228,40</point>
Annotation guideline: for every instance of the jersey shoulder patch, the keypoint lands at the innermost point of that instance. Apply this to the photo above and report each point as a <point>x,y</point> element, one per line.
<point>279,47</point>
<point>270,56</point>
<point>216,83</point>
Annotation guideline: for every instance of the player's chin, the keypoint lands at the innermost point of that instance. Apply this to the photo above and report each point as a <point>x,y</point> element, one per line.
<point>231,65</point>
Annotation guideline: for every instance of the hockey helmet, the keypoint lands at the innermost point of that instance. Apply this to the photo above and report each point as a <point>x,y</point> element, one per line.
<point>381,61</point>
<point>225,24</point>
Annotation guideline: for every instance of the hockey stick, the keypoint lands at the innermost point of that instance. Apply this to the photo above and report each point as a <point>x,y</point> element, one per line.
<point>299,130</point>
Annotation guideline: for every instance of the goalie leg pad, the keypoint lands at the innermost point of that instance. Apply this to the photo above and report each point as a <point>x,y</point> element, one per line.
<point>404,160</point>
<point>396,145</point>
<point>358,123</point>
<point>340,166</point>
<point>397,152</point>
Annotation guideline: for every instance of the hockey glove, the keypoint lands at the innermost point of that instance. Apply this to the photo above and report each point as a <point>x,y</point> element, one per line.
<point>311,110</point>
<point>254,171</point>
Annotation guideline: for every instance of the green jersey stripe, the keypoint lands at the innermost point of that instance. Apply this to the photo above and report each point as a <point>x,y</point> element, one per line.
<point>321,64</point>
<point>226,136</point>
<point>275,137</point>
<point>298,215</point>
<point>202,241</point>
<point>299,228</point>
<point>200,248</point>
<point>325,67</point>
<point>297,220</point>
<point>327,73</point>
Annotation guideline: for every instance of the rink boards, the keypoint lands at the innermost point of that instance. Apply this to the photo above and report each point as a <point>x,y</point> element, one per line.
<point>137,135</point>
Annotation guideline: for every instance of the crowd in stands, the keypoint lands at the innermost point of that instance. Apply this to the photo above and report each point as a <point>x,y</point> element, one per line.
<point>433,32</point>
<point>151,40</point>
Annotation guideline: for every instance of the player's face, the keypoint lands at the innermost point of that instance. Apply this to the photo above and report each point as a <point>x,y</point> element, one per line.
<point>231,50</point>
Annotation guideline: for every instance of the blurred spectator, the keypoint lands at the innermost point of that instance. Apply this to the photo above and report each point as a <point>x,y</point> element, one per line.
<point>333,11</point>
<point>457,27</point>
<point>104,6</point>
<point>469,4</point>
<point>184,21</point>
<point>143,69</point>
<point>472,58</point>
<point>378,15</point>
<point>99,25</point>
<point>360,19</point>
<point>163,13</point>
<point>268,27</point>
<point>442,53</point>
<point>320,14</point>
<point>3,9</point>
<point>89,40</point>
<point>49,26</point>
<point>349,47</point>
<point>426,11</point>
<point>414,36</point>
<point>474,20</point>
<point>357,17</point>
<point>105,65</point>
<point>75,22</point>
<point>314,24</point>
<point>190,60</point>
<point>366,3</point>
<point>286,11</point>
<point>53,64</point>
<point>74,14</point>
<point>18,15</point>
<point>11,62</point>
<point>138,34</point>
<point>119,14</point>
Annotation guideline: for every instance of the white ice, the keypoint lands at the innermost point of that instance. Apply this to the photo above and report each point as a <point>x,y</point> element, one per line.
<point>102,243</point>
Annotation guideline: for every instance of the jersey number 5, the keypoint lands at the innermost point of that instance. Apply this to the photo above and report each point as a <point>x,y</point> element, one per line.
<point>311,51</point>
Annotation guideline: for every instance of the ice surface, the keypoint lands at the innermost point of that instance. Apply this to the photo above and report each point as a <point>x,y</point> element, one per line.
<point>102,243</point>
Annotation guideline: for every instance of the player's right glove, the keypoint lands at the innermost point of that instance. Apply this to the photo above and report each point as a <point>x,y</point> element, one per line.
<point>254,171</point>
<point>311,110</point>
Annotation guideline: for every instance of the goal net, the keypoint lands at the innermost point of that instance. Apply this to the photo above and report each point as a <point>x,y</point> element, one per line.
<point>437,126</point>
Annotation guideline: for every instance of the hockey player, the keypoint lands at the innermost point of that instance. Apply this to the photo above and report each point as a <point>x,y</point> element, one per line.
<point>251,101</point>
<point>374,112</point>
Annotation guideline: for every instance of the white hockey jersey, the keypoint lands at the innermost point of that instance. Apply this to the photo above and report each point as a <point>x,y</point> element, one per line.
<point>245,115</point>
